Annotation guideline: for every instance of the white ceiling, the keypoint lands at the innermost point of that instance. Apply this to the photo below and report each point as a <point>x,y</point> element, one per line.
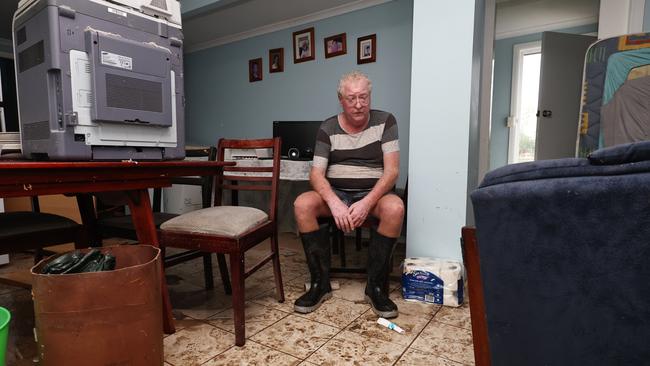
<point>243,18</point>
<point>232,20</point>
<point>516,18</point>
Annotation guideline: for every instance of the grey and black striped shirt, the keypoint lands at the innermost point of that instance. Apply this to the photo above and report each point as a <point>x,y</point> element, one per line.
<point>355,161</point>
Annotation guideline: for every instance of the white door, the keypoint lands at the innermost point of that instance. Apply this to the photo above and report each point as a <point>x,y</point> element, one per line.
<point>559,94</point>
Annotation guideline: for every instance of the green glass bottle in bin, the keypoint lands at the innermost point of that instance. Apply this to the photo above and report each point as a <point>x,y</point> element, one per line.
<point>5,317</point>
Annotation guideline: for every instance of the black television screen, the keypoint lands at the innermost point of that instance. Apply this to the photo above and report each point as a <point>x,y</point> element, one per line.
<point>298,138</point>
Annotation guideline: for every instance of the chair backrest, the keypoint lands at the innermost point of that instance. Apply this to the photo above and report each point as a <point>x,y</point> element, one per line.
<point>256,175</point>
<point>205,182</point>
<point>115,209</point>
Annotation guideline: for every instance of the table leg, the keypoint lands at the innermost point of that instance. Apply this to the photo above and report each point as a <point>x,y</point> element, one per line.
<point>145,227</point>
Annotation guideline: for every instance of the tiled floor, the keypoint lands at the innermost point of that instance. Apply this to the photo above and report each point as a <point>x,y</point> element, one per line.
<point>341,332</point>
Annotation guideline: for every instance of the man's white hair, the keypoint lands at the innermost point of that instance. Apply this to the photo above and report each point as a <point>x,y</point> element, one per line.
<point>354,75</point>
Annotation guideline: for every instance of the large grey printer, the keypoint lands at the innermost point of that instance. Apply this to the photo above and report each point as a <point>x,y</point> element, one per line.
<point>100,80</point>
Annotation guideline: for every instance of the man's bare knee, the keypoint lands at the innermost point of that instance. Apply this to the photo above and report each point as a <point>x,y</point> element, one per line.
<point>392,208</point>
<point>306,209</point>
<point>301,204</point>
<point>390,211</point>
<point>307,204</point>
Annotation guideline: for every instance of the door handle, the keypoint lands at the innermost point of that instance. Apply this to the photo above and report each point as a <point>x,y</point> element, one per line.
<point>547,113</point>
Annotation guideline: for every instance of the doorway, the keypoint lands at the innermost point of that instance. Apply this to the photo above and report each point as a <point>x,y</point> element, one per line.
<point>523,105</point>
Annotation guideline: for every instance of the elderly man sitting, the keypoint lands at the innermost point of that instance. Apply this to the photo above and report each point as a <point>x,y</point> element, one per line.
<point>356,164</point>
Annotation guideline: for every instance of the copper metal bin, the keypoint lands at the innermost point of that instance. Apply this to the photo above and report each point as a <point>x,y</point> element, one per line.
<point>101,318</point>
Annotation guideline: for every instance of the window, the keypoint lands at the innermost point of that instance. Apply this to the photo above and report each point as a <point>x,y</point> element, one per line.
<point>523,105</point>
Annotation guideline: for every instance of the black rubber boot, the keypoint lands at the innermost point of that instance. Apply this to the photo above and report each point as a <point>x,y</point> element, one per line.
<point>317,251</point>
<point>380,252</point>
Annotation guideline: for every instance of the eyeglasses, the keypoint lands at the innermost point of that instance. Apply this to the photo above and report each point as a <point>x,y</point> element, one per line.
<point>363,99</point>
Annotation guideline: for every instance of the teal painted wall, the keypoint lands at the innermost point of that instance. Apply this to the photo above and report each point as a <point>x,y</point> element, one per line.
<point>501,87</point>
<point>443,61</point>
<point>220,102</point>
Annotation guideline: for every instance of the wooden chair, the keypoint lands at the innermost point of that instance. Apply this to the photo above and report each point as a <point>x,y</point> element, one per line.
<point>338,247</point>
<point>338,237</point>
<point>234,229</point>
<point>338,242</point>
<point>121,226</point>
<point>33,230</point>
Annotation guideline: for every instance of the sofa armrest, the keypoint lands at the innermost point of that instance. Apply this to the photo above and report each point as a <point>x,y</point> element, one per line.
<point>621,154</point>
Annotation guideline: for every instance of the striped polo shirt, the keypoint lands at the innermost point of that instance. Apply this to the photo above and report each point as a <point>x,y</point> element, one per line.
<point>355,161</point>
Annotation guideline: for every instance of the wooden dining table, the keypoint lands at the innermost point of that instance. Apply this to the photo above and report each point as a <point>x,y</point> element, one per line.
<point>126,180</point>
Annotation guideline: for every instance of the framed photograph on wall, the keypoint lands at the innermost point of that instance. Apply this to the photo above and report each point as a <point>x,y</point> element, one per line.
<point>367,49</point>
<point>303,45</point>
<point>335,45</point>
<point>255,69</point>
<point>276,60</point>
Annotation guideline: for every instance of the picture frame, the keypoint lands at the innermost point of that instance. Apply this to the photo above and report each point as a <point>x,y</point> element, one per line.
<point>276,60</point>
<point>255,69</point>
<point>335,45</point>
<point>367,49</point>
<point>303,45</point>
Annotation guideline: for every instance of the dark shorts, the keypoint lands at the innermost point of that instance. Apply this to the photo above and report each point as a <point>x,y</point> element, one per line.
<point>350,197</point>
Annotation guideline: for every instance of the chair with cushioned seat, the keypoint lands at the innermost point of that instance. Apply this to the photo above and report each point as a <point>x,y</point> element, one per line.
<point>121,226</point>
<point>234,229</point>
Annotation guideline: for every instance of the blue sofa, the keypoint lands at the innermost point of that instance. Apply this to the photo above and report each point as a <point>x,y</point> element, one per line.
<point>564,250</point>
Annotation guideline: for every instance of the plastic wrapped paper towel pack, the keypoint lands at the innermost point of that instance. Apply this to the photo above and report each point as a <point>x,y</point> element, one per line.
<point>437,281</point>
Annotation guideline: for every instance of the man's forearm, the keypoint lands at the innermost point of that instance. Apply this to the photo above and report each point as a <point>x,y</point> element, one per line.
<point>383,185</point>
<point>387,180</point>
<point>320,184</point>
